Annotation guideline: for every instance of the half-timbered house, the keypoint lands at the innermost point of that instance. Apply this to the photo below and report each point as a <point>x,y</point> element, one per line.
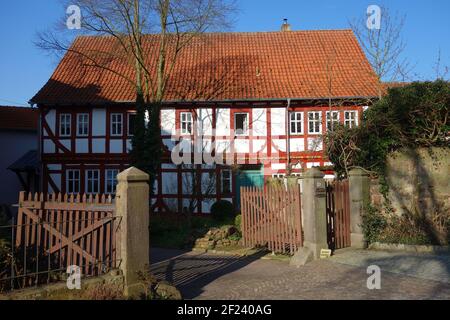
<point>270,95</point>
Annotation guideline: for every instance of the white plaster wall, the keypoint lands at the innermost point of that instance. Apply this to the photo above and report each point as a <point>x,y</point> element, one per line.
<point>315,144</point>
<point>168,122</point>
<point>54,167</point>
<point>98,122</point>
<point>242,145</point>
<point>169,183</point>
<point>49,146</point>
<point>223,122</point>
<point>280,144</point>
<point>56,177</point>
<point>66,143</point>
<point>259,146</point>
<point>50,118</point>
<point>297,145</point>
<point>205,121</point>
<point>116,146</point>
<point>259,122</point>
<point>278,119</point>
<point>81,145</point>
<point>98,145</point>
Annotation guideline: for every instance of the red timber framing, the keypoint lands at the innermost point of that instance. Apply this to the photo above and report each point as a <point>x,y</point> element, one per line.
<point>65,158</point>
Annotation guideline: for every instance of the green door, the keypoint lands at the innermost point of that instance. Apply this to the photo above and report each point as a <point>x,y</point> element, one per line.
<point>248,178</point>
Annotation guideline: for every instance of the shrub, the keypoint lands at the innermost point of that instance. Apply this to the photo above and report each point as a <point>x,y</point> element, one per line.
<point>373,224</point>
<point>238,222</point>
<point>223,211</point>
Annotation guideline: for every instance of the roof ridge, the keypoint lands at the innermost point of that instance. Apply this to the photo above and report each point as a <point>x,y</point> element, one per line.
<point>237,33</point>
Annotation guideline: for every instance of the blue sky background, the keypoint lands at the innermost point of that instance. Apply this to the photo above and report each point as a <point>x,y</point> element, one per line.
<point>24,69</point>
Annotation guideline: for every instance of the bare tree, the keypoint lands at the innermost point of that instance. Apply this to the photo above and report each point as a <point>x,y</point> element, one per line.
<point>384,46</point>
<point>441,70</point>
<point>126,23</point>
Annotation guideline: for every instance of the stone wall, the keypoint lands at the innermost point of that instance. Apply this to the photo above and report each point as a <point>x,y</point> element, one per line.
<point>418,181</point>
<point>59,291</point>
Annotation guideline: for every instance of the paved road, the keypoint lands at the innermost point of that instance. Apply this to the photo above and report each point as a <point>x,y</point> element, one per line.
<point>206,276</point>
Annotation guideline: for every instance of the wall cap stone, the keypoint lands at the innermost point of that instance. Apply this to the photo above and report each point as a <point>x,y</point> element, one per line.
<point>357,172</point>
<point>133,174</point>
<point>313,173</point>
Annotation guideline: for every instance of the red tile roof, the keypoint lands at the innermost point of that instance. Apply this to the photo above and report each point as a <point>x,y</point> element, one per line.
<point>18,118</point>
<point>224,66</point>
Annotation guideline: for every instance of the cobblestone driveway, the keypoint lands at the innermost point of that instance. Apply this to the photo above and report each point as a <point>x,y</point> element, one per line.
<point>206,276</point>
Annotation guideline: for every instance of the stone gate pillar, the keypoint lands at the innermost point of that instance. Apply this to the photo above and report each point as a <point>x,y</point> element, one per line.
<point>132,211</point>
<point>314,217</point>
<point>359,193</point>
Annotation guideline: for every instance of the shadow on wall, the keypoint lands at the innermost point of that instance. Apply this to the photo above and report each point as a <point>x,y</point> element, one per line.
<point>418,187</point>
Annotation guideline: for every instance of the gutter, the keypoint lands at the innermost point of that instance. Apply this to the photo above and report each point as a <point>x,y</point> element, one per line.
<point>288,142</point>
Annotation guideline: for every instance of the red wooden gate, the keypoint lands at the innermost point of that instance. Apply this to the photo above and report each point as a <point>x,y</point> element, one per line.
<point>338,214</point>
<point>272,217</point>
<point>56,231</point>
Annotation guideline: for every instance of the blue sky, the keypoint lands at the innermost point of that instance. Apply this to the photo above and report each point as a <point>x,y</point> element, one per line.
<point>24,69</point>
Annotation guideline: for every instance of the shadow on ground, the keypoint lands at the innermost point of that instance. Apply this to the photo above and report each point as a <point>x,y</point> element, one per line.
<point>191,271</point>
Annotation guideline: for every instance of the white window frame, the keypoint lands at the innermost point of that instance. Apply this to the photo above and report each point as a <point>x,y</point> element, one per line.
<point>114,122</point>
<point>92,181</point>
<point>229,178</point>
<point>84,123</point>
<point>71,181</point>
<point>332,120</point>
<point>128,123</point>
<point>67,125</point>
<point>278,176</point>
<point>315,121</point>
<point>112,179</point>
<point>349,122</point>
<point>246,126</point>
<point>186,123</point>
<point>296,121</point>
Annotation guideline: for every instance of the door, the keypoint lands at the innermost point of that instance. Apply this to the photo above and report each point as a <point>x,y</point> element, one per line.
<point>248,178</point>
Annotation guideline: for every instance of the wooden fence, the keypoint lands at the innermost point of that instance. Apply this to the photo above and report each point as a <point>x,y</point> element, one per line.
<point>272,216</point>
<point>53,232</point>
<point>338,214</point>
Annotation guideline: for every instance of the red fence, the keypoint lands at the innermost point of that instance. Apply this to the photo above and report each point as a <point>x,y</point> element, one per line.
<point>53,232</point>
<point>338,214</point>
<point>272,217</point>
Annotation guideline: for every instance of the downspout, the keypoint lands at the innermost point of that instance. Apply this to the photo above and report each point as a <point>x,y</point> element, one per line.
<point>288,142</point>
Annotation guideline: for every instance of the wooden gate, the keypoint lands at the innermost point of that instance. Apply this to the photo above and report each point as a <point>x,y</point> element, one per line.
<point>56,231</point>
<point>338,214</point>
<point>272,216</point>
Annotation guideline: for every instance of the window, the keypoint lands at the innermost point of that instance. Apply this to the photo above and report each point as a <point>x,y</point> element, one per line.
<point>111,180</point>
<point>83,124</point>
<point>296,122</point>
<point>131,123</point>
<point>351,119</point>
<point>226,181</point>
<point>64,124</point>
<point>186,123</point>
<point>116,124</point>
<point>241,124</point>
<point>278,176</point>
<point>92,181</point>
<point>73,181</point>
<point>314,122</point>
<point>332,120</point>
